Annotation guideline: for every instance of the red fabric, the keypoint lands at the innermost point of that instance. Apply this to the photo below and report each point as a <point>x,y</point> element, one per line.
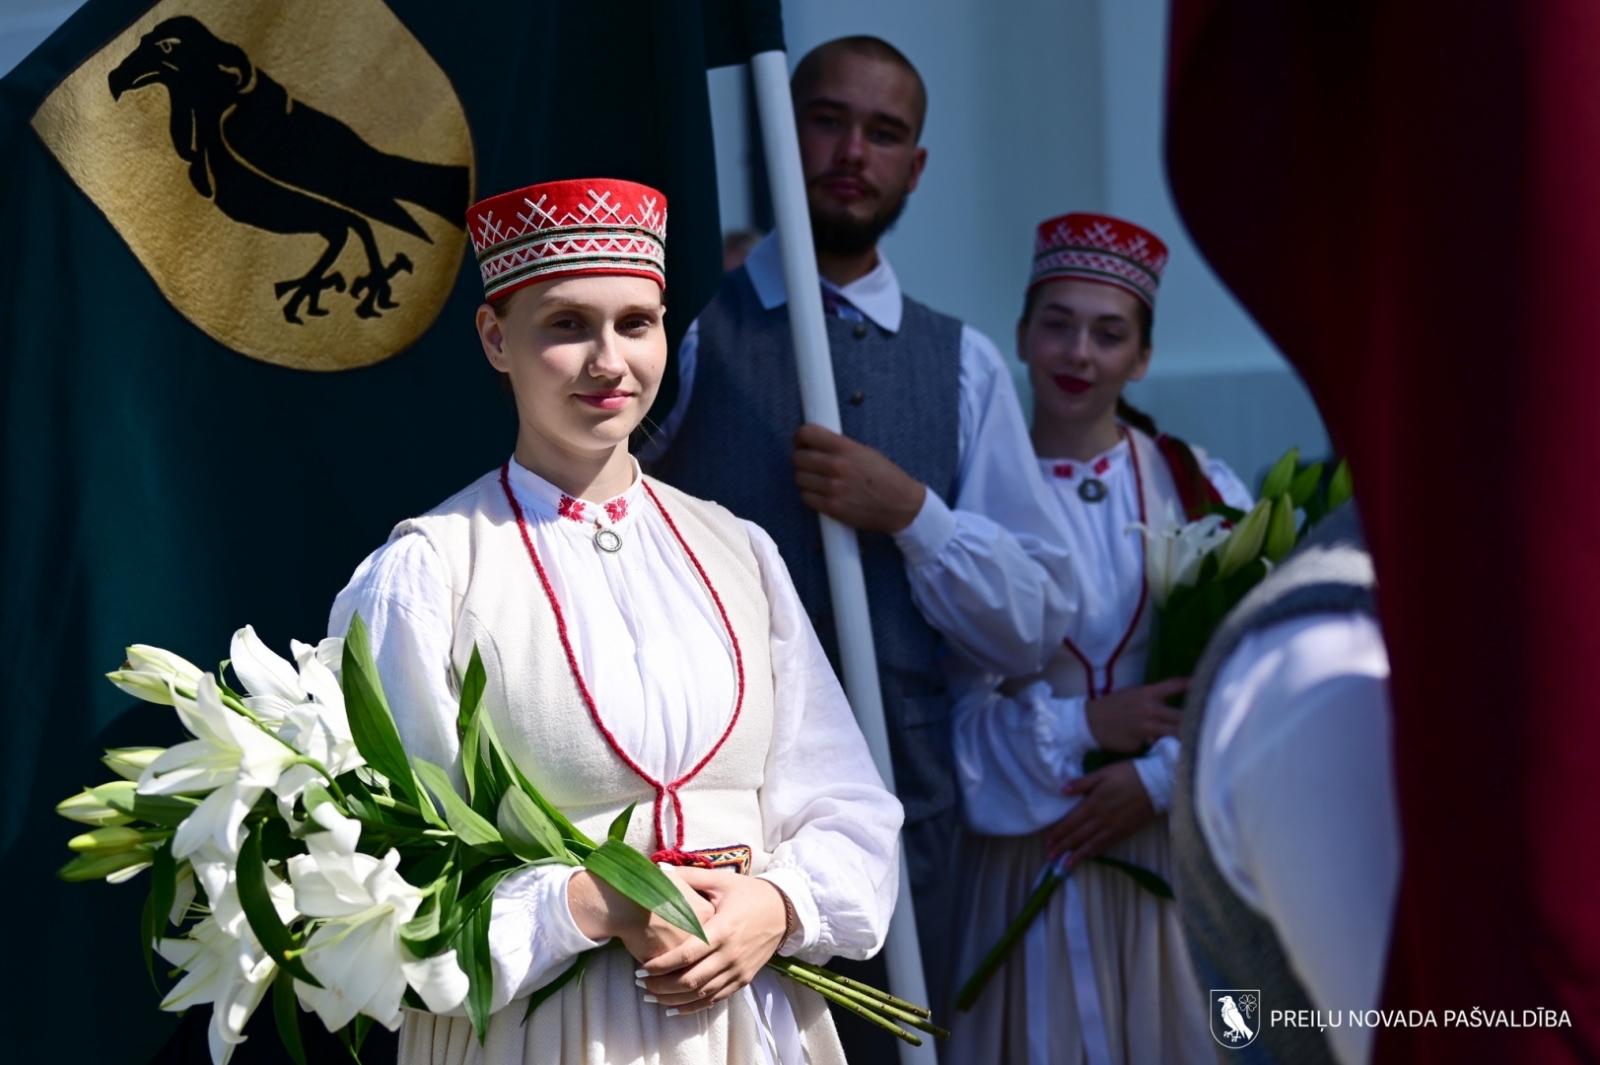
<point>1194,503</point>
<point>1404,195</point>
<point>675,854</point>
<point>601,227</point>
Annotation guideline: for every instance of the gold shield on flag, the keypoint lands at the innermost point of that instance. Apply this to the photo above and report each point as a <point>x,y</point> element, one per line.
<point>294,175</point>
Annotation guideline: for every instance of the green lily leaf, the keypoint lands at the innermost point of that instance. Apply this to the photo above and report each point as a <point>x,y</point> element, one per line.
<point>463,820</point>
<point>158,905</point>
<point>256,901</point>
<point>573,972</point>
<point>1281,476</point>
<point>472,951</point>
<point>1151,882</point>
<point>639,880</point>
<point>1305,484</point>
<point>619,827</point>
<point>526,830</point>
<point>427,935</point>
<point>286,1011</point>
<point>472,686</point>
<point>1341,488</point>
<point>371,722</point>
<point>568,830</point>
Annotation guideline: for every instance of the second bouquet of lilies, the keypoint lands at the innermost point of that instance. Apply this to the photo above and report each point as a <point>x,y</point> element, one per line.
<point>300,850</point>
<point>1196,571</point>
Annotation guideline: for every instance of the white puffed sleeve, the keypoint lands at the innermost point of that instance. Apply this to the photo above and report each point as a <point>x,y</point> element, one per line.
<point>402,594</point>
<point>831,825</point>
<point>991,572</point>
<point>1014,754</point>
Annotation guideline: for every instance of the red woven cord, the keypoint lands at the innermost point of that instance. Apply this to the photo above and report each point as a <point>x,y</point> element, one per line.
<point>681,857</point>
<point>661,790</point>
<point>1144,593</point>
<point>1144,580</point>
<point>738,663</point>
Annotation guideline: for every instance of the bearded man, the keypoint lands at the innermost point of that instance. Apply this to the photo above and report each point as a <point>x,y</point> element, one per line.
<point>934,466</point>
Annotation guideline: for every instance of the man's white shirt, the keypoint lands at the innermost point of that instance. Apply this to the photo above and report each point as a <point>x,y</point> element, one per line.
<point>991,571</point>
<point>1294,792</point>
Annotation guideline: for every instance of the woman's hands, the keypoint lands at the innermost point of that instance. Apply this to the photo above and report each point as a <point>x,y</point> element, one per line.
<point>1115,806</point>
<point>1126,720</point>
<point>602,912</point>
<point>743,932</point>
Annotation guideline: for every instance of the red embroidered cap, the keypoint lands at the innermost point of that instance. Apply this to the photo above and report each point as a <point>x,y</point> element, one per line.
<point>1097,247</point>
<point>569,229</point>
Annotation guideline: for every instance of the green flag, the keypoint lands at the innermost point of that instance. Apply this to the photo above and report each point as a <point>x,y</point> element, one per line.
<point>236,346</point>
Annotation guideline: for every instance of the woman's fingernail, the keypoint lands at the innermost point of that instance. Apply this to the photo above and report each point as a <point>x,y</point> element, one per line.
<point>673,1012</point>
<point>651,998</point>
<point>638,982</point>
<point>641,972</point>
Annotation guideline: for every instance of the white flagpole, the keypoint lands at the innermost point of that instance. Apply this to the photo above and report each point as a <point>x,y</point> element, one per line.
<point>819,400</point>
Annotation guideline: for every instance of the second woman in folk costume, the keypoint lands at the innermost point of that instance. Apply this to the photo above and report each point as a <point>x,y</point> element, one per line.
<point>1102,976</point>
<point>640,646</point>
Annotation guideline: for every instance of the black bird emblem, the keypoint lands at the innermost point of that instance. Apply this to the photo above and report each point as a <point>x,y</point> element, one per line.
<point>269,161</point>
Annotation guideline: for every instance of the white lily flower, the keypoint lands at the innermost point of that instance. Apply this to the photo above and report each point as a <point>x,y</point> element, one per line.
<point>231,972</point>
<point>231,757</point>
<point>1174,553</point>
<point>151,673</point>
<point>306,708</point>
<point>357,953</point>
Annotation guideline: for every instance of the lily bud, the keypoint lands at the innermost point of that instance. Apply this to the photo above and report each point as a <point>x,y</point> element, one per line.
<point>110,840</point>
<point>147,686</point>
<point>90,809</point>
<point>150,673</point>
<point>1244,546</point>
<point>1281,530</point>
<point>130,762</point>
<point>101,866</point>
<point>149,659</point>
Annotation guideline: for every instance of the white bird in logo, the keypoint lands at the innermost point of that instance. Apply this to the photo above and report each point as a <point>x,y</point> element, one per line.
<point>1237,1029</point>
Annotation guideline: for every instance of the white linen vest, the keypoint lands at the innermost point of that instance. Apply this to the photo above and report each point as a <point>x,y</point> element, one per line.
<point>534,700</point>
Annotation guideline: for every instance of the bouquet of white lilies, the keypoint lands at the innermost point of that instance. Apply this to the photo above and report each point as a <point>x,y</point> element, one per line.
<point>299,848</point>
<point>1199,570</point>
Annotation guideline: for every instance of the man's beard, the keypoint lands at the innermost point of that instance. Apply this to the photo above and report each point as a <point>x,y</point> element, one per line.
<point>843,235</point>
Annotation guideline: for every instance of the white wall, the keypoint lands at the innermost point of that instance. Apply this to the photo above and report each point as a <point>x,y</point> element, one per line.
<point>1036,108</point>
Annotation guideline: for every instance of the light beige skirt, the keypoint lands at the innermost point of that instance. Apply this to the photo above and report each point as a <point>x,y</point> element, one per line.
<point>1153,1011</point>
<point>604,1020</point>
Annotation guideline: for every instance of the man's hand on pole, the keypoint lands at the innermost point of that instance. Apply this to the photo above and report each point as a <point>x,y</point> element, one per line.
<point>853,483</point>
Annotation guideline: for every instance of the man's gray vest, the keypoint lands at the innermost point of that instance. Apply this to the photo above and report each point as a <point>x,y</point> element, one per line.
<point>1231,945</point>
<point>899,393</point>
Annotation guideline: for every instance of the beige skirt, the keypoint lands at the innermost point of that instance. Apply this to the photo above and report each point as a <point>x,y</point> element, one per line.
<point>604,1020</point>
<point>1153,1011</point>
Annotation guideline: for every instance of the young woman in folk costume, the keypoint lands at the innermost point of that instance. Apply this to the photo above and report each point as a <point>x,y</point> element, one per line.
<point>641,646</point>
<point>1102,975</point>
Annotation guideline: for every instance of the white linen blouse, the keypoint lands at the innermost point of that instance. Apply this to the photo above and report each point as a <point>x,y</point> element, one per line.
<point>1015,753</point>
<point>657,658</point>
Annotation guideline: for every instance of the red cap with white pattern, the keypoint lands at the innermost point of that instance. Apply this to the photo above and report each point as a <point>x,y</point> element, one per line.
<point>569,229</point>
<point>1097,247</point>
